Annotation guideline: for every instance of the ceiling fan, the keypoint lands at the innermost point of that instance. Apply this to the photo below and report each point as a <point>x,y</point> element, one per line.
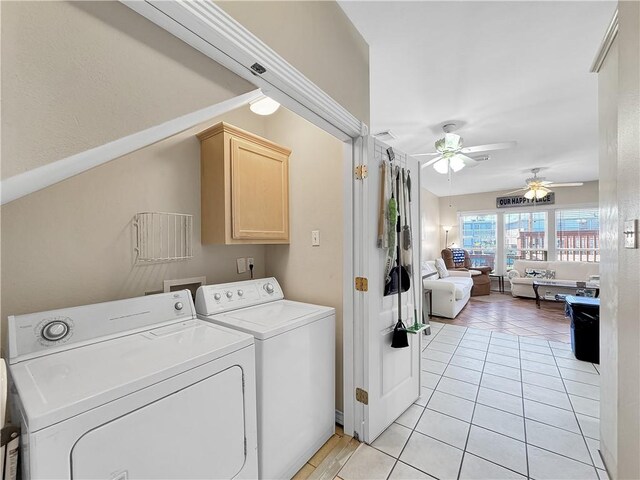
<point>450,153</point>
<point>537,187</point>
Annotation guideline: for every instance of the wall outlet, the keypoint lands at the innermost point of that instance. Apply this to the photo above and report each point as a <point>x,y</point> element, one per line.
<point>242,264</point>
<point>315,238</point>
<point>630,234</point>
<point>250,262</point>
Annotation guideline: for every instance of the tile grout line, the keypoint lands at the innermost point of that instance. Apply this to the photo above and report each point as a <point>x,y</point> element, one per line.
<point>521,380</point>
<point>397,459</point>
<point>507,393</point>
<point>584,438</point>
<point>475,403</point>
<point>413,430</point>
<point>524,414</point>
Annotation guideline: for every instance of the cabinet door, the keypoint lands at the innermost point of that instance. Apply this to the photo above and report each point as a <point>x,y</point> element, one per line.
<point>259,192</point>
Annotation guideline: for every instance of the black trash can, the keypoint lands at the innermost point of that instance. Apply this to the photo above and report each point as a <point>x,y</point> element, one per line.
<point>585,327</point>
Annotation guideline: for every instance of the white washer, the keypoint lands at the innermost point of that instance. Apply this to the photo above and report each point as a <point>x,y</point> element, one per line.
<point>295,368</point>
<point>136,388</point>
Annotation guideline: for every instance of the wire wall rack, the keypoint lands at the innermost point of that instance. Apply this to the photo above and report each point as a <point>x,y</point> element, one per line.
<point>163,237</point>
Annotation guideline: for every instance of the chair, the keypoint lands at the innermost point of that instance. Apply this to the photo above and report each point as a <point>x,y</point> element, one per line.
<point>479,275</point>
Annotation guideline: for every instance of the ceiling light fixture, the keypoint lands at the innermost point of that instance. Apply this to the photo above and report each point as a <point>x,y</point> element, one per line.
<point>537,193</point>
<point>455,163</point>
<point>264,106</point>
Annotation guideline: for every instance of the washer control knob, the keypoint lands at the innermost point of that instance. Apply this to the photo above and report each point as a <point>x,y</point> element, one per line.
<point>229,294</point>
<point>178,306</point>
<point>217,297</point>
<point>269,287</point>
<point>240,293</point>
<point>55,330</point>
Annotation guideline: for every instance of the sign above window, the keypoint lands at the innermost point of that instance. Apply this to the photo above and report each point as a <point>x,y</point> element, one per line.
<point>512,201</point>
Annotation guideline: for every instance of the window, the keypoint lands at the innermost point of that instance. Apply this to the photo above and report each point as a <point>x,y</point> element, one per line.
<point>479,236</point>
<point>578,235</point>
<point>525,236</point>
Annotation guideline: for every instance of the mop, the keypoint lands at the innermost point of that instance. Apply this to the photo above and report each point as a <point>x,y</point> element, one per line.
<point>400,338</point>
<point>417,326</point>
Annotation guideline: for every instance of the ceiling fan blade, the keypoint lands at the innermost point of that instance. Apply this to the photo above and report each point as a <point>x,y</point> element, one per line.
<point>425,154</point>
<point>518,190</point>
<point>571,184</point>
<point>430,162</point>
<point>545,183</point>
<point>488,147</point>
<point>468,161</point>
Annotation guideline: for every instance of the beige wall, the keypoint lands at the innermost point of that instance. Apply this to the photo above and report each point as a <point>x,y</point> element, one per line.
<point>79,74</point>
<point>72,243</point>
<point>477,202</point>
<point>620,329</point>
<point>430,217</point>
<point>318,39</point>
<point>312,274</point>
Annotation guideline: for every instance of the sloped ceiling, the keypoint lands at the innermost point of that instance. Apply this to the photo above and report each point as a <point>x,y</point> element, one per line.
<point>501,70</point>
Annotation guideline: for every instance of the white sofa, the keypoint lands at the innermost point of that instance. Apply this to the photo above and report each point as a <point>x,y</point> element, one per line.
<point>449,294</point>
<point>522,286</point>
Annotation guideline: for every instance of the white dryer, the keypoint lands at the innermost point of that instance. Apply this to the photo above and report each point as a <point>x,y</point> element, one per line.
<point>136,388</point>
<point>295,368</point>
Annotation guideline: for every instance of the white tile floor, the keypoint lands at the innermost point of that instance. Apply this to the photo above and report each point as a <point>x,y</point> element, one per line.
<point>493,406</point>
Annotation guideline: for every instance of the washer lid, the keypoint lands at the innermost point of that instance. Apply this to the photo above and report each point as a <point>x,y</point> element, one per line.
<point>61,385</point>
<point>265,321</point>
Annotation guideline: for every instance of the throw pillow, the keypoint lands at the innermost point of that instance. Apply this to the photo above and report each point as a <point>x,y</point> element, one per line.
<point>442,268</point>
<point>540,273</point>
<point>535,273</point>
<point>427,268</point>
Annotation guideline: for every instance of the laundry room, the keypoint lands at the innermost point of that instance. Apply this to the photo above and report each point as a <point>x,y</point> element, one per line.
<point>110,199</point>
<point>73,242</point>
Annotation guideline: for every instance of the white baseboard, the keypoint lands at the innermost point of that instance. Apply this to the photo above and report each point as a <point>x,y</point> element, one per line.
<point>339,418</point>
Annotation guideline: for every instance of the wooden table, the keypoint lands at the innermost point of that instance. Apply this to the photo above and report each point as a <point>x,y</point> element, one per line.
<point>427,292</point>
<point>500,281</point>
<point>562,284</point>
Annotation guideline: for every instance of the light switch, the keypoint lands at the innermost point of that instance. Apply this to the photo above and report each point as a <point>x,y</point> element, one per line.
<point>242,264</point>
<point>630,234</point>
<point>315,238</point>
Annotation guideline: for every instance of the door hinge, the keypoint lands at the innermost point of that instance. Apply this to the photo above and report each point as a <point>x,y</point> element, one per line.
<point>361,172</point>
<point>362,396</point>
<point>362,284</point>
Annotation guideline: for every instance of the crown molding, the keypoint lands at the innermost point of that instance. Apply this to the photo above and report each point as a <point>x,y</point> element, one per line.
<point>609,37</point>
<point>209,29</point>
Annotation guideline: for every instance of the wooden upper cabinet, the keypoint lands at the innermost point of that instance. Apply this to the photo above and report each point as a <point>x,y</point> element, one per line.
<point>244,187</point>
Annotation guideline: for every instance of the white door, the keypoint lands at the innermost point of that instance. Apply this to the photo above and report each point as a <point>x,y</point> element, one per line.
<point>390,376</point>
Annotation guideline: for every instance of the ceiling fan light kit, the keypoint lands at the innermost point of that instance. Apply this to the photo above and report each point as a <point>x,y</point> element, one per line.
<point>538,188</point>
<point>443,165</point>
<point>450,152</point>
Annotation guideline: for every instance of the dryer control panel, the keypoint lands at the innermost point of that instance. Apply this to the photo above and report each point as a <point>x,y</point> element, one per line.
<point>224,297</point>
<point>37,334</point>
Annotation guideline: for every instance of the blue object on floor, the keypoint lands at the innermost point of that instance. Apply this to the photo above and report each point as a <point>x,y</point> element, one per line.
<point>585,327</point>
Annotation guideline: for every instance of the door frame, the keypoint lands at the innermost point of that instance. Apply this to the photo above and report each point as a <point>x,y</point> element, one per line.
<point>207,28</point>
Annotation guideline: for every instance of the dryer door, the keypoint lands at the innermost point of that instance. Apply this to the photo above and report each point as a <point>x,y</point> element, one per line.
<point>197,432</point>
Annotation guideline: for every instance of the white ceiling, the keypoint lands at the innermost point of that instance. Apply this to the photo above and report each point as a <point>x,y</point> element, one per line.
<point>502,70</point>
